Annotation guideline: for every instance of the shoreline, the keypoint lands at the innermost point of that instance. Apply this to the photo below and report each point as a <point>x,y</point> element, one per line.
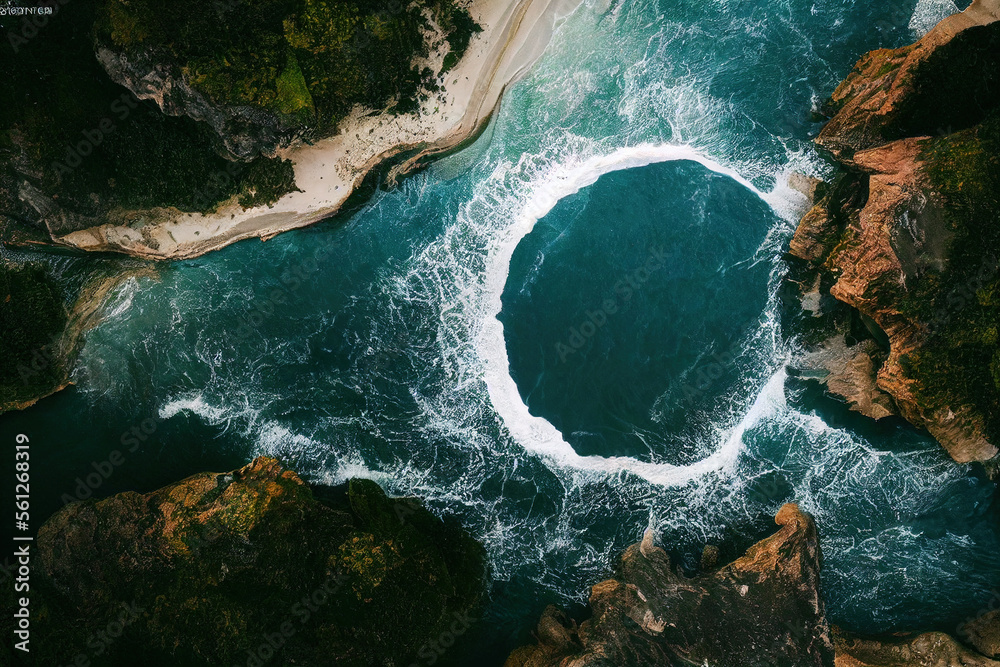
<point>515,33</point>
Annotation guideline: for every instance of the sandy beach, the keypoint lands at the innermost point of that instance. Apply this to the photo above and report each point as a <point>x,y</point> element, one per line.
<point>515,32</point>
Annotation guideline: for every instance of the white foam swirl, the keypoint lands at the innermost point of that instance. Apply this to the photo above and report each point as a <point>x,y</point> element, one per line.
<point>536,434</point>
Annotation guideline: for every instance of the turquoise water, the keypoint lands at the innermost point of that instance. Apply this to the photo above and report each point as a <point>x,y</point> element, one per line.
<point>634,180</point>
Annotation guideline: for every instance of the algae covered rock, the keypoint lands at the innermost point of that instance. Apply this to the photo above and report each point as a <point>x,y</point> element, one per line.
<point>242,567</point>
<point>931,649</point>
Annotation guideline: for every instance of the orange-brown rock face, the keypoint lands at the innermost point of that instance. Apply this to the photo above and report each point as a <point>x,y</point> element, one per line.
<point>897,247</point>
<point>931,649</point>
<point>897,93</point>
<point>762,609</point>
<point>206,570</point>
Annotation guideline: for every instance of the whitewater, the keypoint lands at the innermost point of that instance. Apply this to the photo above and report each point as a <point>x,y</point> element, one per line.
<point>392,360</point>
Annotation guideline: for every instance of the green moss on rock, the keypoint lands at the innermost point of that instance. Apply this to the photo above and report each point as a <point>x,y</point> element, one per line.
<point>219,563</point>
<point>308,60</point>
<point>92,147</point>
<point>960,304</point>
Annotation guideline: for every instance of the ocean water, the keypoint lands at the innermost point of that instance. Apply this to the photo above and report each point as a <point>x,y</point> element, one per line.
<point>564,334</point>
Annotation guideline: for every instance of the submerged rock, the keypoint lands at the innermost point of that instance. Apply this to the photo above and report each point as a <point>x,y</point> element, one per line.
<point>762,609</point>
<point>234,568</point>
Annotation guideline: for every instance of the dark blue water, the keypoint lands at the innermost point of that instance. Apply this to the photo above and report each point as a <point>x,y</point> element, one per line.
<point>418,341</point>
<point>627,306</point>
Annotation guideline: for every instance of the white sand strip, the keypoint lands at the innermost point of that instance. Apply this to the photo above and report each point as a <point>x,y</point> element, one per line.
<point>515,32</point>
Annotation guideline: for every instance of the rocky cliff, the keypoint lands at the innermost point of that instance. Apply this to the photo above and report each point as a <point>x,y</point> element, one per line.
<point>42,320</point>
<point>242,132</point>
<point>763,609</point>
<point>78,150</point>
<point>896,266</point>
<point>132,115</point>
<point>240,567</point>
<point>262,74</point>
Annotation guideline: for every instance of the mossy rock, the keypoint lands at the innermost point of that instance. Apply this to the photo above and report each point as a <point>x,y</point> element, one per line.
<point>220,568</point>
<point>91,147</point>
<point>961,304</point>
<point>306,60</point>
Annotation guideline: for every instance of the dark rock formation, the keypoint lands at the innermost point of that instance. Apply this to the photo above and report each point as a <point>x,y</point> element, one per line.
<point>41,327</point>
<point>762,609</point>
<point>931,649</point>
<point>896,265</point>
<point>225,569</point>
<point>244,132</point>
<point>32,351</point>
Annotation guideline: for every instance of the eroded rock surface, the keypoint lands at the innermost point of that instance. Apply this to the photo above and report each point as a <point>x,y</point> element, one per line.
<point>908,237</point>
<point>762,609</point>
<point>931,649</point>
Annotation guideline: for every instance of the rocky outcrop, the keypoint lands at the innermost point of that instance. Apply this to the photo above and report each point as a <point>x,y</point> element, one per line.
<point>243,132</point>
<point>899,237</point>
<point>931,649</point>
<point>762,609</point>
<point>222,569</point>
<point>848,372</point>
<point>983,632</point>
<point>947,81</point>
<point>42,325</point>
